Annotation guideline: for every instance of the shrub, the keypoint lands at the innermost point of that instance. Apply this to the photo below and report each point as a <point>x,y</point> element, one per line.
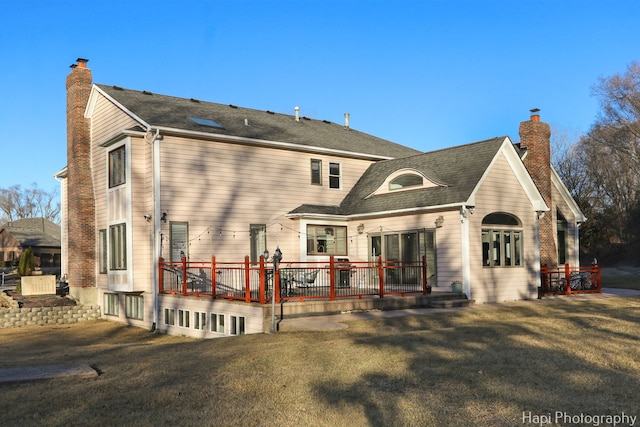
<point>25,267</point>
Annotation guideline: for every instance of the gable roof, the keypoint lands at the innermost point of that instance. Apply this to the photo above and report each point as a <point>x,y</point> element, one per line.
<point>35,232</point>
<point>172,114</point>
<point>458,170</point>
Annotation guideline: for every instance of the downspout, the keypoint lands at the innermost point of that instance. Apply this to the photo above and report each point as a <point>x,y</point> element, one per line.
<point>156,240</point>
<point>466,262</point>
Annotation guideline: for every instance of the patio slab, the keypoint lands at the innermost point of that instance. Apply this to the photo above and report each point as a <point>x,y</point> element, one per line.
<point>45,372</point>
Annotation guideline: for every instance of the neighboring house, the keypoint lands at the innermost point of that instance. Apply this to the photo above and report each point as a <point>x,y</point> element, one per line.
<point>40,234</point>
<point>152,176</point>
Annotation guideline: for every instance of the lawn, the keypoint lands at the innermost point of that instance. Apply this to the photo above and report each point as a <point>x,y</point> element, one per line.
<point>576,355</point>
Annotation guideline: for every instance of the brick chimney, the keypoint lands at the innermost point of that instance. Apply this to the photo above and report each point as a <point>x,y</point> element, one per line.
<point>535,138</point>
<point>80,201</point>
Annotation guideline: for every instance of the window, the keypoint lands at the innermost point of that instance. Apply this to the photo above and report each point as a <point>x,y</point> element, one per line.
<point>179,239</point>
<point>326,240</point>
<point>258,233</point>
<point>134,307</point>
<point>199,320</point>
<point>316,172</point>
<point>404,181</point>
<point>111,304</point>
<point>117,167</point>
<point>183,318</point>
<point>217,323</point>
<point>563,228</point>
<point>236,325</point>
<point>169,316</point>
<point>118,246</point>
<point>334,175</point>
<point>501,243</point>
<point>102,255</point>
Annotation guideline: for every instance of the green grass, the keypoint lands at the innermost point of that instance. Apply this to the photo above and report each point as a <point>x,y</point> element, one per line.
<point>475,367</point>
<point>627,278</point>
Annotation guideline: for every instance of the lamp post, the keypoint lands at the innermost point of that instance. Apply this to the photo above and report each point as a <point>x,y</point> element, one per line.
<point>277,257</point>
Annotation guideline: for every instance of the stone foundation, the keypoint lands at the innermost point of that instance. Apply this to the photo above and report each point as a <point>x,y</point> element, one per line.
<point>41,316</point>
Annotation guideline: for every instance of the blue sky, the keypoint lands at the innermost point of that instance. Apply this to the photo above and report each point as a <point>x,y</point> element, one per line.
<point>427,74</point>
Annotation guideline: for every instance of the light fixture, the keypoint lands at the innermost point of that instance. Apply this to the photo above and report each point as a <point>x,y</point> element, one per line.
<point>147,217</point>
<point>360,228</point>
<point>471,209</point>
<point>265,254</point>
<point>164,217</point>
<point>439,221</point>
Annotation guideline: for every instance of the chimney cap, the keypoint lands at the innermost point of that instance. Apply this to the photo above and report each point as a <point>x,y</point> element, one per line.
<point>534,110</point>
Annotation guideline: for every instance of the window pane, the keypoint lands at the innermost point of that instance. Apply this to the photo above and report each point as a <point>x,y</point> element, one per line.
<point>118,246</point>
<point>322,239</point>
<point>507,249</point>
<point>496,255</point>
<point>103,249</point>
<point>486,249</point>
<point>517,248</point>
<point>258,233</point>
<point>117,167</point>
<point>403,181</point>
<point>316,172</point>
<point>334,175</point>
<point>179,237</point>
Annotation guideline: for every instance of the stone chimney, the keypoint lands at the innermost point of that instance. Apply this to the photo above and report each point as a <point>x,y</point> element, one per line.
<point>81,235</point>
<point>535,138</point>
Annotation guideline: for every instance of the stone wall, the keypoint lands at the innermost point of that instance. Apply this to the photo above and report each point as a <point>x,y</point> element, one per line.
<point>40,316</point>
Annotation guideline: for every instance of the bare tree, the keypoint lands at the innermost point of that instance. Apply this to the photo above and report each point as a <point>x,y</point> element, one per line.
<point>18,203</point>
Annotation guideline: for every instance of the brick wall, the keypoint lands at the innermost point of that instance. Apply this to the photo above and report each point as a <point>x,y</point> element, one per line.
<point>81,252</point>
<point>535,137</point>
<point>40,316</point>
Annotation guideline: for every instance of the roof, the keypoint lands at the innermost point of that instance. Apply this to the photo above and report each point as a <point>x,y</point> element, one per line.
<point>457,170</point>
<point>34,232</point>
<point>172,113</point>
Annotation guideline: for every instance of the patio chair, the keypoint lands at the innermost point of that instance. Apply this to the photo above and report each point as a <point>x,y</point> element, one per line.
<point>304,279</point>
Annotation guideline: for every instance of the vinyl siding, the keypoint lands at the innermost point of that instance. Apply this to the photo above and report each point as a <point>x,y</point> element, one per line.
<point>220,188</point>
<point>501,192</point>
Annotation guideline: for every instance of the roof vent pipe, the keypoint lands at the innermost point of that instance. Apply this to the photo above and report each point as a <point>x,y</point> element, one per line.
<point>346,120</point>
<point>297,110</point>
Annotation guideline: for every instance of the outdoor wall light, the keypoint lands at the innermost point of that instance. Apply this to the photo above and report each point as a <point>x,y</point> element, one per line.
<point>265,255</point>
<point>164,217</point>
<point>147,217</point>
<point>360,228</point>
<point>471,209</point>
<point>439,221</point>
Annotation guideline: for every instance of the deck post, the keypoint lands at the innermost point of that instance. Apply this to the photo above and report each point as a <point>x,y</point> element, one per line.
<point>425,291</point>
<point>263,281</point>
<point>214,293</point>
<point>567,278</point>
<point>184,275</point>
<point>332,278</point>
<point>247,281</point>
<point>160,275</point>
<point>380,276</point>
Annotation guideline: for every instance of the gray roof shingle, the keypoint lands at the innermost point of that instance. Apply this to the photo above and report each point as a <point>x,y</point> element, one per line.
<point>172,112</point>
<point>458,170</point>
<point>34,232</point>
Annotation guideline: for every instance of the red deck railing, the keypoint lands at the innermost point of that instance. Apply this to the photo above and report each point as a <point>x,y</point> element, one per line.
<point>566,280</point>
<point>253,282</point>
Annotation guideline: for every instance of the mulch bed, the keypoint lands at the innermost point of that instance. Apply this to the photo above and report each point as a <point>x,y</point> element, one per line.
<point>40,300</point>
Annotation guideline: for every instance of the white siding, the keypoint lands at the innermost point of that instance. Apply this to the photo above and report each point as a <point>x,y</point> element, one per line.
<point>501,192</point>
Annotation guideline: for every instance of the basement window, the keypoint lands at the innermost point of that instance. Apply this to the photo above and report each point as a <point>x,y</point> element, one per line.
<point>205,122</point>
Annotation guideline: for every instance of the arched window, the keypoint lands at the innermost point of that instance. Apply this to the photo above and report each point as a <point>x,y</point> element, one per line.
<point>501,240</point>
<point>405,180</point>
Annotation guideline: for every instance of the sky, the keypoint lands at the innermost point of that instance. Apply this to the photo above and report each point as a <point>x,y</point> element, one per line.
<point>428,74</point>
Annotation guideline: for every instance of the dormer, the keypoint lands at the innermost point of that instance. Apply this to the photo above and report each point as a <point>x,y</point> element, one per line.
<point>405,180</point>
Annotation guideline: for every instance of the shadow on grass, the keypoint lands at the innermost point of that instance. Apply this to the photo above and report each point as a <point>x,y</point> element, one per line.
<point>462,369</point>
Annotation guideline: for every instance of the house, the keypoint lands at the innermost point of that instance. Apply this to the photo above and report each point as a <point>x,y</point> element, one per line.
<point>151,176</point>
<point>40,234</point>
